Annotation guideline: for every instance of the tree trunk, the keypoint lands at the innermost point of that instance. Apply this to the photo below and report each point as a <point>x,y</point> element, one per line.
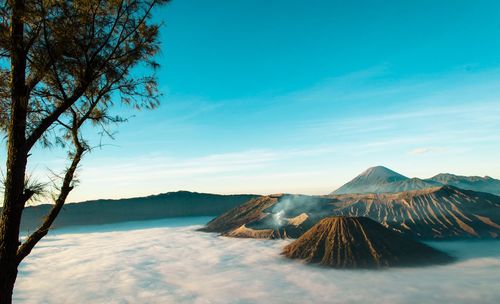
<point>17,155</point>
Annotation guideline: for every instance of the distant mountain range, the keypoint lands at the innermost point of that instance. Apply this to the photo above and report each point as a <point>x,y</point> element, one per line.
<point>443,212</point>
<point>438,207</point>
<point>382,180</point>
<point>104,211</point>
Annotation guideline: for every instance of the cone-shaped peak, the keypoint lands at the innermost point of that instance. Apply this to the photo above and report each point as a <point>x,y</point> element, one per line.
<point>381,172</point>
<point>373,180</point>
<point>360,242</point>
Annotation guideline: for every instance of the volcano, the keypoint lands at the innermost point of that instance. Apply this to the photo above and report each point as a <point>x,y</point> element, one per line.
<point>380,179</point>
<point>442,212</point>
<point>360,242</point>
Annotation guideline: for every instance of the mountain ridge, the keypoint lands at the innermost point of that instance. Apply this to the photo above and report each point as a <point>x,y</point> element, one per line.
<point>107,211</point>
<point>443,212</point>
<point>380,179</point>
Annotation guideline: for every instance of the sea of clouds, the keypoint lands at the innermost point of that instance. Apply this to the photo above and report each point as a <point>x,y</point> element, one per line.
<point>169,262</point>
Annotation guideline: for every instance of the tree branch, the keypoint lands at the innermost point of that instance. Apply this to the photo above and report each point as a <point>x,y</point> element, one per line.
<point>28,245</point>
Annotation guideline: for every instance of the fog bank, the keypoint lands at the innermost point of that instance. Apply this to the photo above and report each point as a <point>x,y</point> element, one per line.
<point>176,264</point>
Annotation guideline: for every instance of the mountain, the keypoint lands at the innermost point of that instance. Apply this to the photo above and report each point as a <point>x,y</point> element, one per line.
<point>475,183</point>
<point>440,212</point>
<point>172,204</point>
<point>373,180</point>
<point>444,212</point>
<point>360,242</point>
<point>383,180</point>
<point>248,212</point>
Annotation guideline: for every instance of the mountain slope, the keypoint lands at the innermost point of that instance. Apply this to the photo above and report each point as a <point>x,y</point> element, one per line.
<point>359,242</point>
<point>172,204</point>
<point>246,213</point>
<point>373,180</point>
<point>383,180</point>
<point>475,183</point>
<point>441,212</point>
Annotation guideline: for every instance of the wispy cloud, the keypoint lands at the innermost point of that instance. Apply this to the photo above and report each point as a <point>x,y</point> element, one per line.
<point>152,167</point>
<point>264,143</point>
<point>426,150</point>
<point>158,166</point>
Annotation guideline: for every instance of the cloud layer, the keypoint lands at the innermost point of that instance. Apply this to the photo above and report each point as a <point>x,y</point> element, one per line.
<point>172,263</point>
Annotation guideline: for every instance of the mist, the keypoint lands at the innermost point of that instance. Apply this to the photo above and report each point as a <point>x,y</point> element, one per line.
<point>290,206</point>
<point>169,262</point>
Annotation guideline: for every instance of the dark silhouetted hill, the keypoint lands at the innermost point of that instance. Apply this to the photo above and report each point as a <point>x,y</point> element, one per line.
<point>106,211</point>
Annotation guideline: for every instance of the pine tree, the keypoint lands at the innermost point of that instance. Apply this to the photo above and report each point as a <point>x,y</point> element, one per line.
<point>64,63</point>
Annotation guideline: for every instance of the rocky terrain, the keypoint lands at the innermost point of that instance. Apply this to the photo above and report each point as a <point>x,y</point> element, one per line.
<point>360,242</point>
<point>248,212</point>
<point>443,212</point>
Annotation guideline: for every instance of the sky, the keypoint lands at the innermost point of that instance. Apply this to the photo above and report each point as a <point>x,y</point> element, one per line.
<point>286,96</point>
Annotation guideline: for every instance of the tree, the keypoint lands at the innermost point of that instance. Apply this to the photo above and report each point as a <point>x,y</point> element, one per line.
<point>62,64</point>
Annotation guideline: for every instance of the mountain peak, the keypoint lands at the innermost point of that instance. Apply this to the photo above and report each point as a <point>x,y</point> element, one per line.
<point>359,242</point>
<point>381,172</point>
<point>380,179</point>
<point>371,181</point>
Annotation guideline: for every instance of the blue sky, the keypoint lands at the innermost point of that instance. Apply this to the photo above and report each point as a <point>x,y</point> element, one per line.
<point>290,96</point>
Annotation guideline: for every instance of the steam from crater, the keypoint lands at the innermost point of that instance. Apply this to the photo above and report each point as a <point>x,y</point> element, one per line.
<point>290,206</point>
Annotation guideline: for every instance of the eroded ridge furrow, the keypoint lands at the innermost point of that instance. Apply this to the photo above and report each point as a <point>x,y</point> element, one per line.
<point>441,212</point>
<point>359,242</point>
